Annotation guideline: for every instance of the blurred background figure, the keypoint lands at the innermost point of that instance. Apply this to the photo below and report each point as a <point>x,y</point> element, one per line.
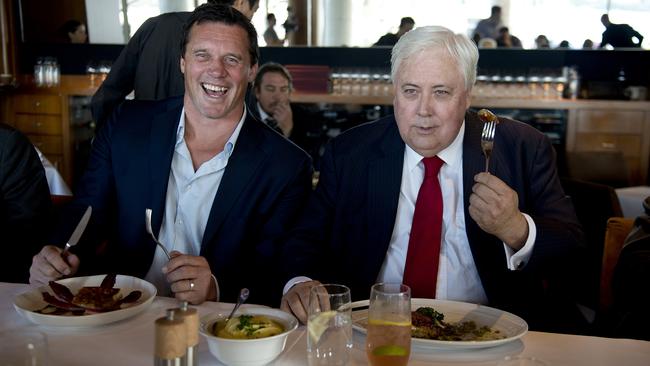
<point>564,44</point>
<point>542,42</point>
<point>75,31</point>
<point>270,35</point>
<point>507,40</point>
<point>487,43</point>
<point>290,26</point>
<point>619,35</point>
<point>587,44</point>
<point>389,39</point>
<point>489,27</point>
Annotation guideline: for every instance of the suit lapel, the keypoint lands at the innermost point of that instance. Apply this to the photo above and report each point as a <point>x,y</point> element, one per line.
<point>247,157</point>
<point>162,141</point>
<point>384,180</point>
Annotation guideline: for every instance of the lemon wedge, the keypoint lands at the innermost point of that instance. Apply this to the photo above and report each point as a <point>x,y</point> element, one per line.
<point>397,323</point>
<point>390,350</point>
<point>317,325</point>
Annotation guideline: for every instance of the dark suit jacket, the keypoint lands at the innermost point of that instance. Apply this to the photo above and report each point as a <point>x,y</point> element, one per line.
<point>349,221</point>
<point>149,65</point>
<point>266,181</point>
<point>24,204</point>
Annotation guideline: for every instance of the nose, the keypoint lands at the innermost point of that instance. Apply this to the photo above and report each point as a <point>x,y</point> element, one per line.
<point>216,68</point>
<point>425,105</point>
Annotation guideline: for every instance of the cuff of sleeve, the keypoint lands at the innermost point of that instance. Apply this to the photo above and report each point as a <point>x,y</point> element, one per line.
<point>517,260</point>
<point>294,281</point>
<point>216,287</point>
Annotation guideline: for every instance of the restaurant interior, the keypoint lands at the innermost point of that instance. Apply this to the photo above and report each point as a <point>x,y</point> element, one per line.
<point>593,104</point>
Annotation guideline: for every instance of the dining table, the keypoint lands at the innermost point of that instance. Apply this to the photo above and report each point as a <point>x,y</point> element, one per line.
<point>131,342</point>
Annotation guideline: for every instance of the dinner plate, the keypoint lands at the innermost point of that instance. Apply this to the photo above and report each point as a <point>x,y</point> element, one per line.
<point>509,325</point>
<point>28,302</point>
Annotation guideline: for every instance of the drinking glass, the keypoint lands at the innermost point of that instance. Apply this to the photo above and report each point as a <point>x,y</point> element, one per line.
<point>329,326</point>
<point>388,341</point>
<point>23,347</point>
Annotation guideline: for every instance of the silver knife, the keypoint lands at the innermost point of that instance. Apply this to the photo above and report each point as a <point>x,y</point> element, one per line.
<point>76,234</point>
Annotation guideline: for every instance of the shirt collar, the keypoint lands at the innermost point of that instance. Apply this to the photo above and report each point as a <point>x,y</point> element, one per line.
<point>232,140</point>
<point>263,114</point>
<point>451,155</point>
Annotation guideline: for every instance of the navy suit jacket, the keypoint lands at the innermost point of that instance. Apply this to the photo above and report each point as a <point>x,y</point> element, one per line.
<point>346,233</point>
<point>265,183</point>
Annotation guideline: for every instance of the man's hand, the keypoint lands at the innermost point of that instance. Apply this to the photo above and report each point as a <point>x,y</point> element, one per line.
<point>48,265</point>
<point>296,300</point>
<point>190,278</point>
<point>284,116</point>
<point>494,207</point>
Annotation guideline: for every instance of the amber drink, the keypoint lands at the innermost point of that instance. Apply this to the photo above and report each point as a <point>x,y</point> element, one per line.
<point>388,341</point>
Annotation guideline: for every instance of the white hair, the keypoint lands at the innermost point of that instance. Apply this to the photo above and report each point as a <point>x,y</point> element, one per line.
<point>459,46</point>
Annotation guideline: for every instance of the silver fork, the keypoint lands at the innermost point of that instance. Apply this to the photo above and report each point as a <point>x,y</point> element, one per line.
<point>147,216</point>
<point>487,136</point>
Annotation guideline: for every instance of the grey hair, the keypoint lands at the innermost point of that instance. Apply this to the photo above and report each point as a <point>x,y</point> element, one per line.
<point>459,46</point>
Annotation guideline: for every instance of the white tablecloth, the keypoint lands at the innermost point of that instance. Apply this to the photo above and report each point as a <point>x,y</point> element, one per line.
<point>130,342</point>
<point>631,199</point>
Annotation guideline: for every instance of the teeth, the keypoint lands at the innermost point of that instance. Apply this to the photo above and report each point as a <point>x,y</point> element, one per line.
<point>214,88</point>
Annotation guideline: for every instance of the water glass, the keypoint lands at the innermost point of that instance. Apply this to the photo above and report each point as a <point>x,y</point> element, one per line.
<point>329,327</point>
<point>23,347</point>
<point>388,341</point>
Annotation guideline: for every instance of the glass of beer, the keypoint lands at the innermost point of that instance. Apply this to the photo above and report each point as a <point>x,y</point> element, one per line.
<point>388,341</point>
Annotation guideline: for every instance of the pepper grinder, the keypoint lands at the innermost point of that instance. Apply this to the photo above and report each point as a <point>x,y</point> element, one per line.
<point>170,341</point>
<point>190,318</point>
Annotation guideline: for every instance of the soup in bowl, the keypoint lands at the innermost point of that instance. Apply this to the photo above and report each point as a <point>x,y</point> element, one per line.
<point>254,336</point>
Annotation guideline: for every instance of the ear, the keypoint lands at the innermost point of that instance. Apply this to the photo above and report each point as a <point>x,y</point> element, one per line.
<point>183,65</point>
<point>252,72</point>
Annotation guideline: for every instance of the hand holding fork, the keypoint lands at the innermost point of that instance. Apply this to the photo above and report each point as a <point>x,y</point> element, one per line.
<point>487,136</point>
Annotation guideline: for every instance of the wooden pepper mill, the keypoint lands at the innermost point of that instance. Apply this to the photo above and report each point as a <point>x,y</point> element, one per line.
<point>190,318</point>
<point>170,342</point>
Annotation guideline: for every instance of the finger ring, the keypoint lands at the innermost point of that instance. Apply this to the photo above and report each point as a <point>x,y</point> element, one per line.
<point>191,285</point>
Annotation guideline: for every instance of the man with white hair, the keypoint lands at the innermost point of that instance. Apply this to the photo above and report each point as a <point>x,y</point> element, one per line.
<point>406,199</point>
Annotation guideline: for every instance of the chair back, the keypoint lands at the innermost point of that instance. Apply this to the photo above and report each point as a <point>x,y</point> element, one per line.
<point>602,167</point>
<point>617,230</point>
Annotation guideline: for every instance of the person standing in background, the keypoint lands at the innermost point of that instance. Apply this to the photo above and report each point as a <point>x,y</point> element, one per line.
<point>489,27</point>
<point>290,26</point>
<point>149,64</point>
<point>619,35</point>
<point>270,35</point>
<point>389,39</point>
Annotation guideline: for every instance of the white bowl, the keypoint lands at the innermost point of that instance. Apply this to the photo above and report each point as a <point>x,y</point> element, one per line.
<point>248,352</point>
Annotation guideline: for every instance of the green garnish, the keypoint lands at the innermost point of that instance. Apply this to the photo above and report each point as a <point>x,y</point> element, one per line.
<point>245,322</point>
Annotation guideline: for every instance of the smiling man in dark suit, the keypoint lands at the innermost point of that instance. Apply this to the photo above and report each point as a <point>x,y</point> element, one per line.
<point>222,185</point>
<point>406,199</point>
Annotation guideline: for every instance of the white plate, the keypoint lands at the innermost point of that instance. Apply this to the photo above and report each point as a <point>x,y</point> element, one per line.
<point>27,302</point>
<point>510,325</point>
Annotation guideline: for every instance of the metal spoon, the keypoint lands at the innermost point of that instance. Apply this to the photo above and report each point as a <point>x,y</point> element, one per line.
<point>243,296</point>
<point>147,214</point>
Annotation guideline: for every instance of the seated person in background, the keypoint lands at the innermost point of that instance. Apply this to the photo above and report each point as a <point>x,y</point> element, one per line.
<point>24,204</point>
<point>505,39</point>
<point>542,42</point>
<point>564,44</point>
<point>383,213</point>
<point>487,43</point>
<point>588,44</point>
<point>222,186</point>
<point>148,65</point>
<point>75,31</point>
<point>270,35</point>
<point>389,39</point>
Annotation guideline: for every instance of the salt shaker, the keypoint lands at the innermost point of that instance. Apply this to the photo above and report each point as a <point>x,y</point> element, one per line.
<point>190,318</point>
<point>170,344</point>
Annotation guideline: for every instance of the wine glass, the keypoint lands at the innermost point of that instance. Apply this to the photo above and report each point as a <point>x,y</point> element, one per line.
<point>388,341</point>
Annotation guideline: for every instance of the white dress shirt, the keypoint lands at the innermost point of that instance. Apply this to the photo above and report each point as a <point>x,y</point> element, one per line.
<point>190,195</point>
<point>458,278</point>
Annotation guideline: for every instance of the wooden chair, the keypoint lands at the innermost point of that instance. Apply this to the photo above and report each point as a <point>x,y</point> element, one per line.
<point>617,230</point>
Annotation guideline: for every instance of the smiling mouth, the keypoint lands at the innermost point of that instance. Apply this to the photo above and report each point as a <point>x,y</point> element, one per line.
<point>214,90</point>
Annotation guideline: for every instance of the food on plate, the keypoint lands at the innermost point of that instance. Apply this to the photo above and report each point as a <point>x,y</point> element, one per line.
<point>88,300</point>
<point>430,324</point>
<point>247,327</point>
